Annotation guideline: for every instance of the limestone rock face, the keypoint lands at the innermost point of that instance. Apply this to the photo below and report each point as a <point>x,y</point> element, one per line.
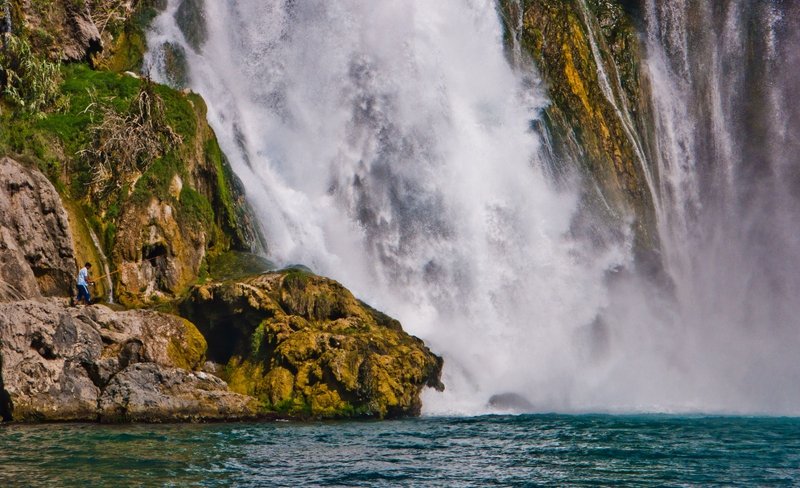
<point>158,255</point>
<point>60,363</point>
<point>180,395</point>
<point>36,249</point>
<point>304,345</point>
<point>85,38</point>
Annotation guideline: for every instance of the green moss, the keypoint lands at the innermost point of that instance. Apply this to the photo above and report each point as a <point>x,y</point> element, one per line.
<point>187,350</point>
<point>194,208</point>
<point>234,264</point>
<point>155,181</point>
<point>180,113</point>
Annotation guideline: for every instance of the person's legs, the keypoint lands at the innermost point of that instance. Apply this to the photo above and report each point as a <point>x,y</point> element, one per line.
<point>83,294</point>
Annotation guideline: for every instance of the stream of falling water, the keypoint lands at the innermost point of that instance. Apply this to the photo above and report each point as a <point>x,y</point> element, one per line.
<point>390,149</point>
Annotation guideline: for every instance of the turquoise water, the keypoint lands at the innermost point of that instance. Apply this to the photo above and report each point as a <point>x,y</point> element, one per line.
<point>531,450</point>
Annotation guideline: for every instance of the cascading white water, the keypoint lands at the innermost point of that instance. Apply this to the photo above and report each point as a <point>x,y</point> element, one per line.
<point>386,144</point>
<point>723,76</point>
<point>388,147</point>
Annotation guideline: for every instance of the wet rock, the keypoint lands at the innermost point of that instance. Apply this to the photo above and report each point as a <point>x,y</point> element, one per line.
<point>304,345</point>
<point>511,402</point>
<point>191,19</point>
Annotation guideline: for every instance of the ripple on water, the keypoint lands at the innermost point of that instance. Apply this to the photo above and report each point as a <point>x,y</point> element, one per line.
<point>495,450</point>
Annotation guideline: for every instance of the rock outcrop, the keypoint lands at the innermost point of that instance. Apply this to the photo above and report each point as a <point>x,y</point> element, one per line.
<point>69,364</point>
<point>588,54</point>
<point>36,250</point>
<point>305,346</point>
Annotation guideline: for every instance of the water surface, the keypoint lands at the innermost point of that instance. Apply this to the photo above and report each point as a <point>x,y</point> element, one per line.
<point>527,450</point>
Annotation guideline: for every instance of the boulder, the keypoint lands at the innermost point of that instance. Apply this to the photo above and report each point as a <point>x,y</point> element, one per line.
<point>304,345</point>
<point>148,392</point>
<point>59,363</point>
<point>36,248</point>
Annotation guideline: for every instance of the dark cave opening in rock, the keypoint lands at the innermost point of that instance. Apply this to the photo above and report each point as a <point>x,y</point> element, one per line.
<point>224,339</point>
<point>156,255</point>
<point>6,405</point>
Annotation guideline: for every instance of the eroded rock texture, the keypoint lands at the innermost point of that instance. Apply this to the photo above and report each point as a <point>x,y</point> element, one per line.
<point>61,364</point>
<point>36,250</point>
<point>304,345</point>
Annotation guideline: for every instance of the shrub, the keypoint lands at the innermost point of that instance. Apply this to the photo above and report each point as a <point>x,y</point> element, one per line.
<point>28,81</point>
<point>125,144</point>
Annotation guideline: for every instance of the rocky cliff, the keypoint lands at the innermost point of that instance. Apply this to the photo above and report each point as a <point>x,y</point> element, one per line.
<point>589,55</point>
<point>36,250</point>
<point>289,343</point>
<point>67,364</point>
<point>145,185</point>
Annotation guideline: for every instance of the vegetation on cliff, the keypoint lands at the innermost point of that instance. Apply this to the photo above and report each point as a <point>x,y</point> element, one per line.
<point>136,162</point>
<point>135,177</point>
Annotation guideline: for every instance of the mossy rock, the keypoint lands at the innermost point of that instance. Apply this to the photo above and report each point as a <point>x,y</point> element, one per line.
<point>187,348</point>
<point>589,127</point>
<point>236,264</point>
<point>305,346</point>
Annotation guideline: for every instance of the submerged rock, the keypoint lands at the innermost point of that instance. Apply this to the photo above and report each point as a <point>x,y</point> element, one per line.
<point>512,402</point>
<point>67,364</point>
<point>304,345</point>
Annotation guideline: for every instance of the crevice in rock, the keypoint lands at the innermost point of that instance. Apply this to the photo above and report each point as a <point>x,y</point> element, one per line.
<point>93,372</point>
<point>42,347</point>
<point>6,405</point>
<point>156,256</point>
<point>131,353</point>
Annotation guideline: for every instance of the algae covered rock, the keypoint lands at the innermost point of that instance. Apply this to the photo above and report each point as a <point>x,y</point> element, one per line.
<point>589,57</point>
<point>304,345</point>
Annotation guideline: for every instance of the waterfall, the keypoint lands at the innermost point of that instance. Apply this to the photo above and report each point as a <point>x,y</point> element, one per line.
<point>390,148</point>
<point>389,145</point>
<point>103,262</point>
<point>723,76</point>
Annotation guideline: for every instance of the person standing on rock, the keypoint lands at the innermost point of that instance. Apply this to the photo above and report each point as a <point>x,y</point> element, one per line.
<point>83,285</point>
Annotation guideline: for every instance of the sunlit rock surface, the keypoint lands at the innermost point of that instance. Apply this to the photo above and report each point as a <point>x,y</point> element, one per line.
<point>304,345</point>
